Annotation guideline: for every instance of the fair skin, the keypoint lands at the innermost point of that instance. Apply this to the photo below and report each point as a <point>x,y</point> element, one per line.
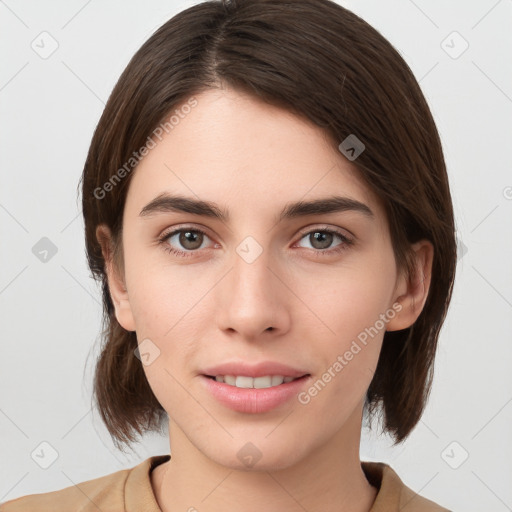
<point>213,306</point>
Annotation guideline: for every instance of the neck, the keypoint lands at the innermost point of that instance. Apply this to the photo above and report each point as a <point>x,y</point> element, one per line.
<point>328,478</point>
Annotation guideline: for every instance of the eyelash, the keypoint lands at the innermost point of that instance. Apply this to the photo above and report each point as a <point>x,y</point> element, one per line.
<point>346,242</point>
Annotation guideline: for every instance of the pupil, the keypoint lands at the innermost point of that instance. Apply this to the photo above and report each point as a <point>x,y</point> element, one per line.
<point>188,237</point>
<point>322,236</point>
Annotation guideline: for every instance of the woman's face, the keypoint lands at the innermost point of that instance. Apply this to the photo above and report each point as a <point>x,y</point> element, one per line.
<point>313,289</point>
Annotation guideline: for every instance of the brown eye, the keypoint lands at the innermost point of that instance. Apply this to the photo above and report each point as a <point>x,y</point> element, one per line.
<point>190,240</point>
<point>183,242</point>
<point>321,239</point>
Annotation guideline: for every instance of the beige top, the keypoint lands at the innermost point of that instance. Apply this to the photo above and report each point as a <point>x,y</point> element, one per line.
<point>130,490</point>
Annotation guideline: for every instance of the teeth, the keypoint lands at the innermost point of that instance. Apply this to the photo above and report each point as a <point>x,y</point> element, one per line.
<point>241,381</point>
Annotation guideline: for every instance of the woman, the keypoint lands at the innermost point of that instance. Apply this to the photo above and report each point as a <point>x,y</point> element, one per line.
<point>267,206</point>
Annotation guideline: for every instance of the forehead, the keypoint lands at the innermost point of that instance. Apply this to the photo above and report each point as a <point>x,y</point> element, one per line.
<point>234,149</point>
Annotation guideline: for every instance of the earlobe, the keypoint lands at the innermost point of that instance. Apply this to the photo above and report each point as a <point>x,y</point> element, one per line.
<point>412,294</point>
<point>116,285</point>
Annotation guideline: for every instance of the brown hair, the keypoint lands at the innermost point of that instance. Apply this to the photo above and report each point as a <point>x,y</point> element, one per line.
<point>324,63</point>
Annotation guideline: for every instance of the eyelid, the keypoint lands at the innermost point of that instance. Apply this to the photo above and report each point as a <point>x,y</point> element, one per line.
<point>167,234</point>
<point>346,240</point>
<point>304,231</point>
<point>184,227</point>
<point>327,227</point>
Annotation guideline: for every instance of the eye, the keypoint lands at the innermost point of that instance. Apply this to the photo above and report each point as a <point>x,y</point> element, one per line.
<point>322,238</point>
<point>189,238</point>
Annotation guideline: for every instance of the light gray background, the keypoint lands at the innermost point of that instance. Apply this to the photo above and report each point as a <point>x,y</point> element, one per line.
<point>50,312</point>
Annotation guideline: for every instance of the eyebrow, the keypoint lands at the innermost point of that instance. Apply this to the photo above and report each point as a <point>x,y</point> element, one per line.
<point>165,203</point>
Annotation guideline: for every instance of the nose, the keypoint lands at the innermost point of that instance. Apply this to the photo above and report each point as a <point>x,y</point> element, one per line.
<point>251,299</point>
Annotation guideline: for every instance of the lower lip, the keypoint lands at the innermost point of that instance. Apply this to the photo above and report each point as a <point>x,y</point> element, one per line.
<point>250,400</point>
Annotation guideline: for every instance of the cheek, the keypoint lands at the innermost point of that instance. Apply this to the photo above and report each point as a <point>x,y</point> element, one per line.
<point>161,297</point>
<point>170,309</point>
<point>348,355</point>
<point>351,303</point>
<point>350,308</point>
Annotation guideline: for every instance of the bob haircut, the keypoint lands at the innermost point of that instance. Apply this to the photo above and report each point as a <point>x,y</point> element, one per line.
<point>317,60</point>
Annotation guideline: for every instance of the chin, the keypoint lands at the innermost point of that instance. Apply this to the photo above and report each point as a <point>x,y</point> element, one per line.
<point>255,456</point>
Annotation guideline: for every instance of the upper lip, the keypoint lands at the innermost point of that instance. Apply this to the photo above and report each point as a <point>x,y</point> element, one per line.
<point>254,370</point>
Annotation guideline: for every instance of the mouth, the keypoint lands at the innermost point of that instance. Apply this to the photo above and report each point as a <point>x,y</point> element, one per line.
<point>254,395</point>
<point>263,382</point>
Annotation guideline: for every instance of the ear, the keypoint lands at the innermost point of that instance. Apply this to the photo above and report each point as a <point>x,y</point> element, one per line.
<point>412,294</point>
<point>116,284</point>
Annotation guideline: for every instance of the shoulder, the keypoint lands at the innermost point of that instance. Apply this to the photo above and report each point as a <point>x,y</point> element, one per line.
<point>393,494</point>
<point>105,493</point>
<point>127,489</point>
